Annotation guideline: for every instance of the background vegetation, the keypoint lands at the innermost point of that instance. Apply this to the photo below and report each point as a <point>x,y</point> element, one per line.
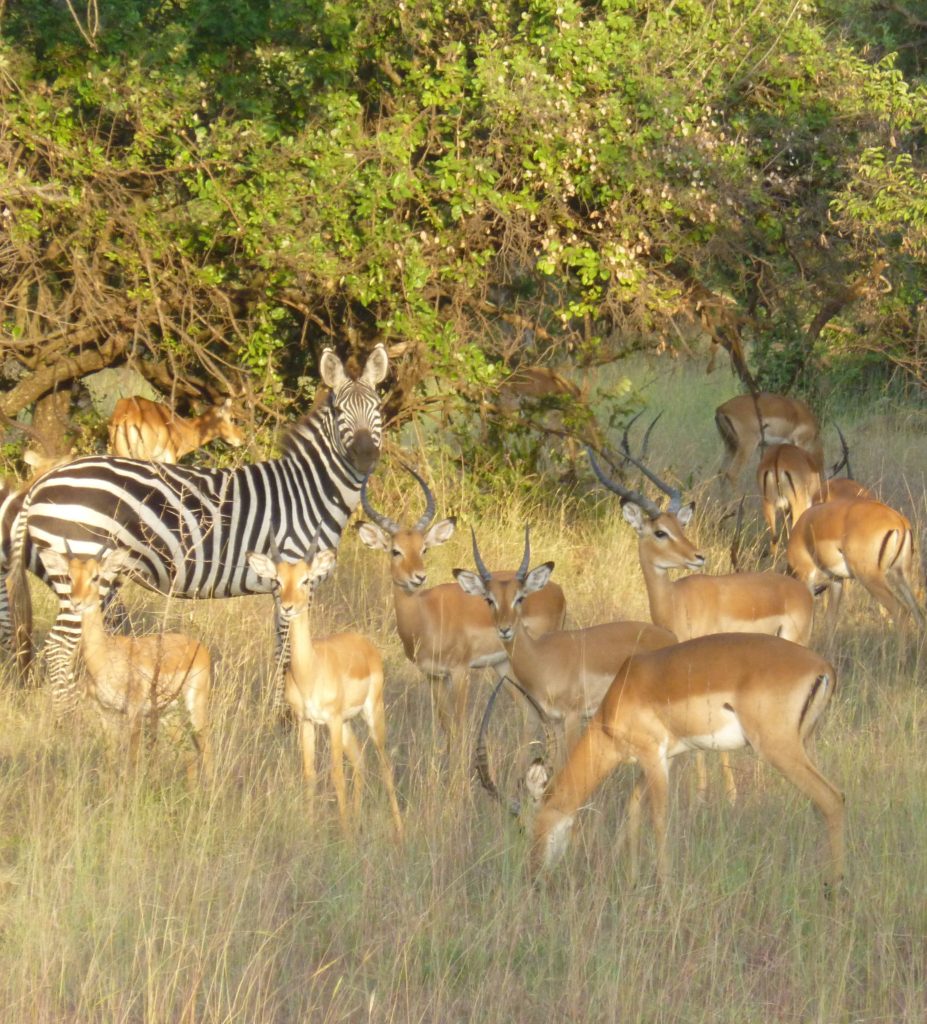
<point>142,901</point>
<point>212,192</point>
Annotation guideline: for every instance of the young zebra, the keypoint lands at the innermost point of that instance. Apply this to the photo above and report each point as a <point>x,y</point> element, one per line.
<point>189,530</point>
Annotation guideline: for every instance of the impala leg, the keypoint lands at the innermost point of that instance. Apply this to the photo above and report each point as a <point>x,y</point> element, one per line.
<point>134,743</point>
<point>730,783</point>
<point>834,597</point>
<point>799,769</point>
<point>656,775</point>
<point>336,737</point>
<point>352,750</point>
<point>307,744</point>
<point>376,723</point>
<point>701,775</point>
<point>634,826</point>
<point>196,698</point>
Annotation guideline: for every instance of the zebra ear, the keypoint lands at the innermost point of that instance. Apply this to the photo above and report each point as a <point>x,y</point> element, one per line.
<point>262,566</point>
<point>331,370</point>
<point>376,367</point>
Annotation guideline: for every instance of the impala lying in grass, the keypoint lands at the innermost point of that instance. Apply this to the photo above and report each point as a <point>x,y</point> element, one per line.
<point>135,679</point>
<point>719,692</point>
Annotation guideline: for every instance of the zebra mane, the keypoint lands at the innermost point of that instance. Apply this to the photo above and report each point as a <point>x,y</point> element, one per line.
<point>305,428</point>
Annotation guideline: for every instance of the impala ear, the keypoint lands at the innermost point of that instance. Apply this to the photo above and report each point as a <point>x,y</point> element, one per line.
<point>634,515</point>
<point>55,563</point>
<point>684,515</point>
<point>322,565</point>
<point>116,561</point>
<point>373,536</point>
<point>261,565</point>
<point>538,578</point>
<point>441,532</point>
<point>470,582</point>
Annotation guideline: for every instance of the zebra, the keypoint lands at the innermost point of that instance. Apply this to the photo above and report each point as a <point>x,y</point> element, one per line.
<point>190,530</point>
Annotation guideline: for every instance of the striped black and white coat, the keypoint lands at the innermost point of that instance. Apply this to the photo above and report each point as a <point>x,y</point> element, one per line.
<point>190,530</point>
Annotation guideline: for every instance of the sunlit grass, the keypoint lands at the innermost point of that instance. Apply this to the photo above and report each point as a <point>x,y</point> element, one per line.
<point>145,901</point>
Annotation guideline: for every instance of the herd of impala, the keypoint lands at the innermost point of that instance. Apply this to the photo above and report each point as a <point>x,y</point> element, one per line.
<point>723,663</point>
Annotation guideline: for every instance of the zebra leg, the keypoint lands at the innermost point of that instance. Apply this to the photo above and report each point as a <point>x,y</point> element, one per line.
<point>279,705</point>
<point>6,624</point>
<point>60,649</point>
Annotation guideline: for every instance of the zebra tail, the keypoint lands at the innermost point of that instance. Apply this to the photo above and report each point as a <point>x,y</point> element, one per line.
<point>20,597</point>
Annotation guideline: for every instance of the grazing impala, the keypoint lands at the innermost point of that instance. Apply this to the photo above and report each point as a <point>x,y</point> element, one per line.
<point>137,678</point>
<point>444,631</point>
<point>329,681</point>
<point>140,429</point>
<point>719,692</point>
<point>857,539</point>
<point>747,421</point>
<point>789,483</point>
<point>696,605</point>
<point>566,672</point>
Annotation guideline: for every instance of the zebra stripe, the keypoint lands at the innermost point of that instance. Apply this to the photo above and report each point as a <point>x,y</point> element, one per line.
<point>190,530</point>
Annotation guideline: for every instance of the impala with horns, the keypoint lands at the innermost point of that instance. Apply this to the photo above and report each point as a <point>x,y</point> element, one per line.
<point>142,429</point>
<point>836,488</point>
<point>746,422</point>
<point>444,631</point>
<point>135,679</point>
<point>564,673</point>
<point>857,539</point>
<point>719,692</point>
<point>697,605</point>
<point>329,681</point>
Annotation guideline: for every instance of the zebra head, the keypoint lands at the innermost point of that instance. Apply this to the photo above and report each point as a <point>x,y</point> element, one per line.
<point>356,406</point>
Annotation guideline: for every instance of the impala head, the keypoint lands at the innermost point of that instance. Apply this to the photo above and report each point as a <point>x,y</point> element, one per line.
<point>356,406</point>
<point>293,582</point>
<point>505,596</point>
<point>661,533</point>
<point>219,419</point>
<point>90,576</point>
<point>405,545</point>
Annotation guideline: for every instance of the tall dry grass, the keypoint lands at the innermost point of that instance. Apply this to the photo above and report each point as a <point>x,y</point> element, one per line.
<point>125,901</point>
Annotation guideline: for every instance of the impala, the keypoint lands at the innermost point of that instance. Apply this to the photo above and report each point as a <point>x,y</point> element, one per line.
<point>856,539</point>
<point>696,605</point>
<point>747,421</point>
<point>329,681</point>
<point>141,429</point>
<point>565,673</point>
<point>719,692</point>
<point>790,482</point>
<point>135,678</point>
<point>444,631</point>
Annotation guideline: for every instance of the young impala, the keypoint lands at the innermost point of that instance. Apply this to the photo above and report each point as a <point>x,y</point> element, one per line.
<point>696,605</point>
<point>444,631</point>
<point>141,429</point>
<point>718,692</point>
<point>857,539</point>
<point>564,672</point>
<point>747,421</point>
<point>329,681</point>
<point>135,678</point>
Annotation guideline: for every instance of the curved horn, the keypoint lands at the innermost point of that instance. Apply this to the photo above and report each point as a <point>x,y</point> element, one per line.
<point>422,525</point>
<point>844,460</point>
<point>384,522</point>
<point>485,574</point>
<point>526,557</point>
<point>274,550</point>
<point>625,493</point>
<point>674,495</point>
<point>313,546</point>
<point>480,753</point>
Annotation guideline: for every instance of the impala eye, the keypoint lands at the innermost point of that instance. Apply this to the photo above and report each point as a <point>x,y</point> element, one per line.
<point>396,553</point>
<point>660,533</point>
